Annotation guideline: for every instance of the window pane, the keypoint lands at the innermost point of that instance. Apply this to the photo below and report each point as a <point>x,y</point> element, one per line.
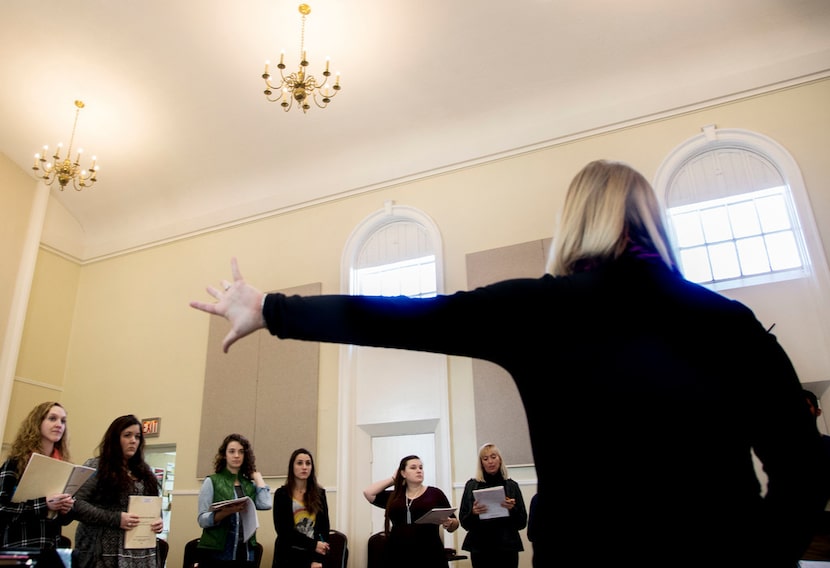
<point>773,213</point>
<point>783,251</point>
<point>369,284</point>
<point>695,263</point>
<point>753,256</point>
<point>428,280</point>
<point>744,219</point>
<point>687,228</point>
<point>414,277</point>
<point>724,260</point>
<point>732,222</point>
<point>716,224</point>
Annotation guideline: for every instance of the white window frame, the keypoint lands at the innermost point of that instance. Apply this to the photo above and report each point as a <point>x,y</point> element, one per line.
<point>814,261</point>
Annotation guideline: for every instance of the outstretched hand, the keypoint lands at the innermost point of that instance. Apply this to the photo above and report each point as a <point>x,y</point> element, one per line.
<point>239,303</point>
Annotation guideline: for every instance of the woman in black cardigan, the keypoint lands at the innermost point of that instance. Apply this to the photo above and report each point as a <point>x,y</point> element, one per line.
<point>301,516</point>
<point>493,538</point>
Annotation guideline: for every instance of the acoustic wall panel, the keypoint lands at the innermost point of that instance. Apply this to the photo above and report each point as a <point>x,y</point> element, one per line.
<point>497,401</point>
<point>265,389</point>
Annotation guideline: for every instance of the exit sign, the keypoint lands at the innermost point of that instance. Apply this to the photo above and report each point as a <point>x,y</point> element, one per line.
<point>151,427</point>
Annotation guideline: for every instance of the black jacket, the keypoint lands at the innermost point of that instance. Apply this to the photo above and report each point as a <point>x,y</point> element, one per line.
<point>501,533</point>
<point>645,397</point>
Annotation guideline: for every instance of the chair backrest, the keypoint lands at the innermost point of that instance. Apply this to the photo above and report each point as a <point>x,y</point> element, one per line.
<point>338,555</point>
<point>190,553</point>
<point>257,555</point>
<point>163,547</point>
<point>377,542</point>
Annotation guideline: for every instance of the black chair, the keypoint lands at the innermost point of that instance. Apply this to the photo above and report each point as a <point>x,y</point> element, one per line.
<point>162,548</point>
<point>452,555</point>
<point>191,554</point>
<point>338,555</point>
<point>191,557</point>
<point>258,555</point>
<point>377,542</point>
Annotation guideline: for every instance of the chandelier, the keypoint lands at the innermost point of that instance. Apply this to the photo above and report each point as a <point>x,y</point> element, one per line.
<point>64,169</point>
<point>299,86</point>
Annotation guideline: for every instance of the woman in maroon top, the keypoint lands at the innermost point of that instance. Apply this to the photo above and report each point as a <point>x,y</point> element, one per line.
<point>411,544</point>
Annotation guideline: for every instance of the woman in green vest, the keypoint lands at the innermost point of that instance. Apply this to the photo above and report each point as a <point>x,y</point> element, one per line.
<point>229,529</point>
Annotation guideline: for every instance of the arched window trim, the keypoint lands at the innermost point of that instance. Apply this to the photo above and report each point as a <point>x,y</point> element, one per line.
<point>390,213</point>
<point>712,137</point>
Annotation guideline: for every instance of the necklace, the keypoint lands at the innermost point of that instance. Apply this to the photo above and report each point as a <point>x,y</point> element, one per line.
<point>409,503</point>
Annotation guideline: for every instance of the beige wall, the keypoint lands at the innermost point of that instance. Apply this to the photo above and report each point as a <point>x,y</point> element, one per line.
<point>118,336</point>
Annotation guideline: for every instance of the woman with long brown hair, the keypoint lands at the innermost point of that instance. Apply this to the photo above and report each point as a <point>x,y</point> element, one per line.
<point>103,501</point>
<point>411,544</point>
<point>301,516</point>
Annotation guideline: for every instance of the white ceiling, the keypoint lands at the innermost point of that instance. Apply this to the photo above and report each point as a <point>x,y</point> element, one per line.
<point>186,140</point>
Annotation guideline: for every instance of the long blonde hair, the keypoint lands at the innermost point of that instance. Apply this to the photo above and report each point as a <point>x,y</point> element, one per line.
<point>608,205</point>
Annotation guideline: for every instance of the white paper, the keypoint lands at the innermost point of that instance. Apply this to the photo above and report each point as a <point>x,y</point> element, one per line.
<point>250,522</point>
<point>492,498</point>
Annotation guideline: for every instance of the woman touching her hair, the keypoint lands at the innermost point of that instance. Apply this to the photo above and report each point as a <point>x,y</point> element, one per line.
<point>411,544</point>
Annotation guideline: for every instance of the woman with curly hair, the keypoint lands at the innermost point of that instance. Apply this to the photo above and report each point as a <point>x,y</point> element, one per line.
<point>223,542</point>
<point>301,516</point>
<point>35,523</point>
<point>103,501</point>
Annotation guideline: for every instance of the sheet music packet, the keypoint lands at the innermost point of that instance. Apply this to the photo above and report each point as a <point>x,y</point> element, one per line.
<point>148,509</point>
<point>46,476</point>
<point>250,521</point>
<point>436,516</point>
<point>492,497</point>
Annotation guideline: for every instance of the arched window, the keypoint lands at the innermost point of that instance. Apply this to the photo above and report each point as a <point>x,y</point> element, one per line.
<point>737,210</point>
<point>392,402</point>
<point>397,257</point>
